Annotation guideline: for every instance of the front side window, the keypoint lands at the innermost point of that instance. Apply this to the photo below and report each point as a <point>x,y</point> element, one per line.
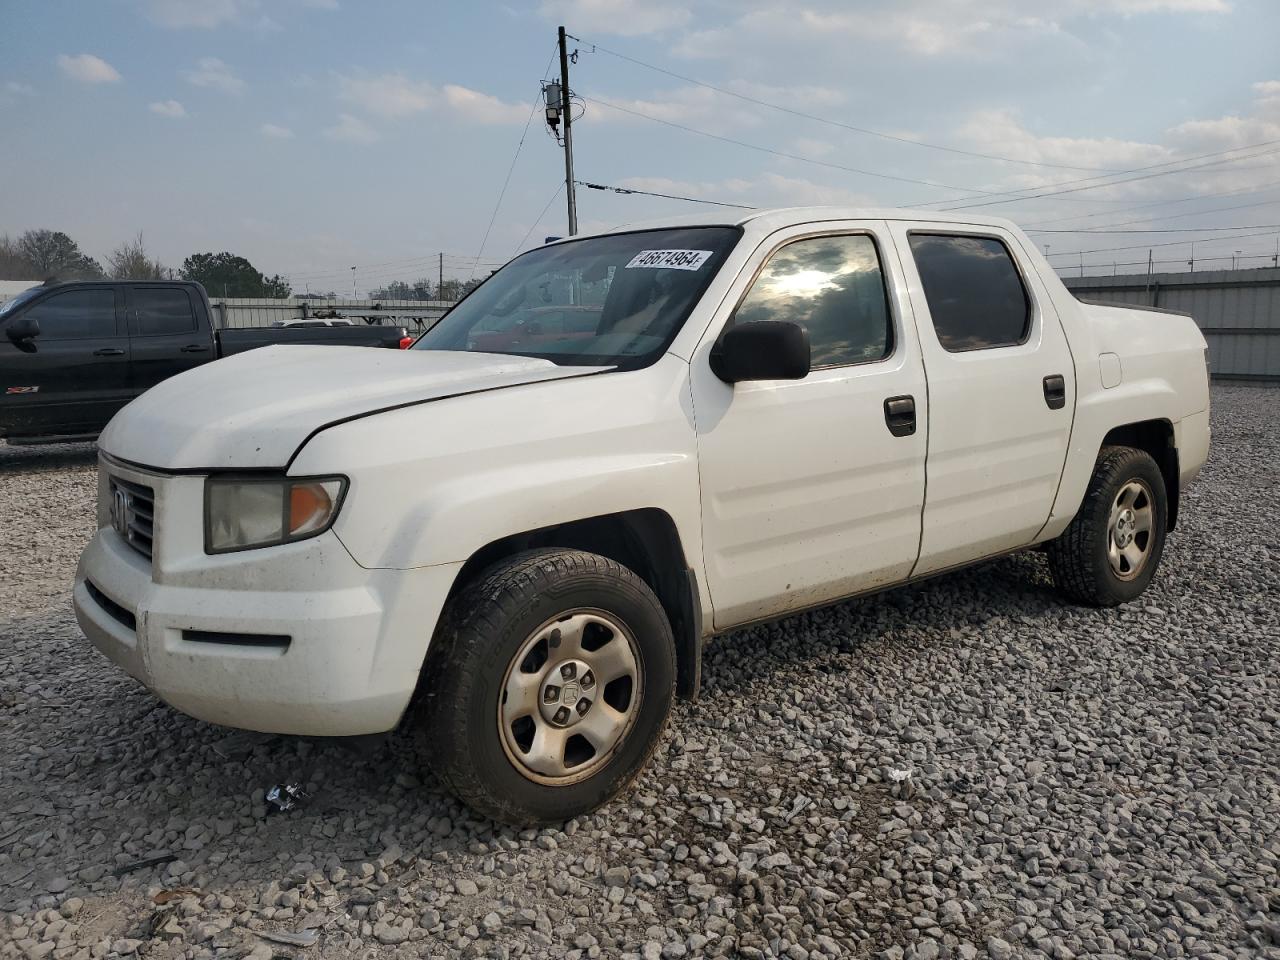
<point>76,315</point>
<point>616,300</point>
<point>975,295</point>
<point>834,288</point>
<point>158,311</point>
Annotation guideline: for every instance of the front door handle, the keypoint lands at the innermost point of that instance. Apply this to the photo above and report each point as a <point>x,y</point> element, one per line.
<point>195,348</point>
<point>900,415</point>
<point>109,352</point>
<point>1055,391</point>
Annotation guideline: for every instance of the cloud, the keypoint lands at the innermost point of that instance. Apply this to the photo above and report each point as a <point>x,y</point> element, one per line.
<point>208,14</point>
<point>999,131</point>
<point>392,95</point>
<point>627,18</point>
<point>922,27</point>
<point>274,131</point>
<point>352,130</point>
<point>687,106</point>
<point>388,95</point>
<point>87,68</point>
<point>168,108</point>
<point>212,72</point>
<point>19,89</point>
<point>482,108</point>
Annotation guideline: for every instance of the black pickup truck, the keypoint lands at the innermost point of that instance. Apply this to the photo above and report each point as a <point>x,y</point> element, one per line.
<point>73,354</point>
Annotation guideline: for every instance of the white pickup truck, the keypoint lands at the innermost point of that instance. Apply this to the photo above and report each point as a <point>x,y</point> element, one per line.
<point>618,446</point>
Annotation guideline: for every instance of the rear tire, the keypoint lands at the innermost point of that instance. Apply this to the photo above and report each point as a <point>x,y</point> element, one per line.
<point>1110,552</point>
<point>548,686</point>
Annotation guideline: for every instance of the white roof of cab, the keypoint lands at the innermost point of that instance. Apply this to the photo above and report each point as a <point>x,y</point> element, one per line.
<point>780,217</point>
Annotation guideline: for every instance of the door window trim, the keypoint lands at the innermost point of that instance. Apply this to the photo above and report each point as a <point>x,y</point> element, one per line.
<point>131,313</point>
<point>891,311</point>
<point>1033,306</point>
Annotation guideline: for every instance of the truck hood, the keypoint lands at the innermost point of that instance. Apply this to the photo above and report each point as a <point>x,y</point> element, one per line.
<point>256,409</point>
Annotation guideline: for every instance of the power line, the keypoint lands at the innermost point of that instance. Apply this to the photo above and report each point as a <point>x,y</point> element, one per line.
<point>1251,226</point>
<point>533,226</point>
<point>1164,243</point>
<point>665,196</point>
<point>827,120</point>
<point>537,101</point>
<point>1194,213</point>
<point>785,155</point>
<point>1158,203</point>
<point>1113,183</point>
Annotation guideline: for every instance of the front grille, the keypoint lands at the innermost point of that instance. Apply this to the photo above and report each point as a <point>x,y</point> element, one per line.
<point>133,514</point>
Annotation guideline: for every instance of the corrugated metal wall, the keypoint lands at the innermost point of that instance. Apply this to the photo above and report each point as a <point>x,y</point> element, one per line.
<point>1238,310</point>
<point>417,315</point>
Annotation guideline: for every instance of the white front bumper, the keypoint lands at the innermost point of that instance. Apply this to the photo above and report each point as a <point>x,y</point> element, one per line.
<point>196,629</point>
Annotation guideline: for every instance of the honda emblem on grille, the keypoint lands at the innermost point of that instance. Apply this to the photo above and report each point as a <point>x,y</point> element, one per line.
<point>120,512</point>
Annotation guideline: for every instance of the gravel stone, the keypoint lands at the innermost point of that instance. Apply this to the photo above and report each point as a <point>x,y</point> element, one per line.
<point>1082,783</point>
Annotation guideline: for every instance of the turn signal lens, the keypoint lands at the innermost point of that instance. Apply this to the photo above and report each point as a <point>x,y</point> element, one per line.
<point>309,508</point>
<point>246,512</point>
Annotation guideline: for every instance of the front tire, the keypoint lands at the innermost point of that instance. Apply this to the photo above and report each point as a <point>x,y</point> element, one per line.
<point>548,686</point>
<point>1110,552</point>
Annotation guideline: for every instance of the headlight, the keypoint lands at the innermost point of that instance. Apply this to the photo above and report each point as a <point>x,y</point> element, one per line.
<point>245,512</point>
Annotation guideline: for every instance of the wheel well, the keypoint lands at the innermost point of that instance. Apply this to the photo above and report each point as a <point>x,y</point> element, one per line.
<point>1156,438</point>
<point>645,541</point>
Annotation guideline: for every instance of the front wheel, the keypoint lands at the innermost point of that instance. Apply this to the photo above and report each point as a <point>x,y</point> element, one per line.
<point>1112,548</point>
<point>548,686</point>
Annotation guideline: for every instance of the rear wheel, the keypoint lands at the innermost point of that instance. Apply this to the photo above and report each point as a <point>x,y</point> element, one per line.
<point>548,686</point>
<point>1110,552</point>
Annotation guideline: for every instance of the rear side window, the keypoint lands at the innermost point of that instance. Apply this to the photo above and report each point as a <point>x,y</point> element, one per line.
<point>76,315</point>
<point>834,288</point>
<point>975,295</point>
<point>158,311</point>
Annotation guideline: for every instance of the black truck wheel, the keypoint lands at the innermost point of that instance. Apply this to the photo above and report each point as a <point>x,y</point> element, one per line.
<point>547,686</point>
<point>1112,548</point>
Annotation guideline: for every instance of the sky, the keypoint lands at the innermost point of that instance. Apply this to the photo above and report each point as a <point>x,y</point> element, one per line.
<point>314,135</point>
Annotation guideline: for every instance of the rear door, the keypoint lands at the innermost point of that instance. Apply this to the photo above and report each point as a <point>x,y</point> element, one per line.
<point>165,335</point>
<point>1001,391</point>
<point>74,376</point>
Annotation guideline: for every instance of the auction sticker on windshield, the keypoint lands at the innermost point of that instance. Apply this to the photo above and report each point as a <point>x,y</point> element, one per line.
<point>669,259</point>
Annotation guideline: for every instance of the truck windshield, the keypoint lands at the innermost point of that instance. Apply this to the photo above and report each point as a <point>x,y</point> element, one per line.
<point>615,300</point>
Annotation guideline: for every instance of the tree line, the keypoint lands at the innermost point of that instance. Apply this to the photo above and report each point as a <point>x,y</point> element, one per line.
<point>51,255</point>
<point>424,289</point>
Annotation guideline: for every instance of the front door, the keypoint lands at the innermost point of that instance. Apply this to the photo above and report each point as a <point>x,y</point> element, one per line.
<point>73,377</point>
<point>1001,391</point>
<point>808,493</point>
<point>164,335</point>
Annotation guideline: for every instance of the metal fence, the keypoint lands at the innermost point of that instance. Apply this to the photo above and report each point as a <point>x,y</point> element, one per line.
<point>417,315</point>
<point>1238,311</point>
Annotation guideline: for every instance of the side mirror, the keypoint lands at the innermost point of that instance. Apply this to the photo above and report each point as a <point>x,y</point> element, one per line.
<point>765,350</point>
<point>21,329</point>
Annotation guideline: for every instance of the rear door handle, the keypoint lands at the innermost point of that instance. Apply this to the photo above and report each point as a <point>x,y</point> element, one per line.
<point>109,352</point>
<point>195,348</point>
<point>900,415</point>
<point>1055,391</point>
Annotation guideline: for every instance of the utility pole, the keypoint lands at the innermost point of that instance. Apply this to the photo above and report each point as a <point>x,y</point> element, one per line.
<point>565,107</point>
<point>1082,263</point>
<point>353,284</point>
<point>1192,262</point>
<point>440,285</point>
<point>1275,257</point>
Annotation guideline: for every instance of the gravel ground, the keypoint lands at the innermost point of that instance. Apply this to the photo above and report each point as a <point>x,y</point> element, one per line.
<point>1080,782</point>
